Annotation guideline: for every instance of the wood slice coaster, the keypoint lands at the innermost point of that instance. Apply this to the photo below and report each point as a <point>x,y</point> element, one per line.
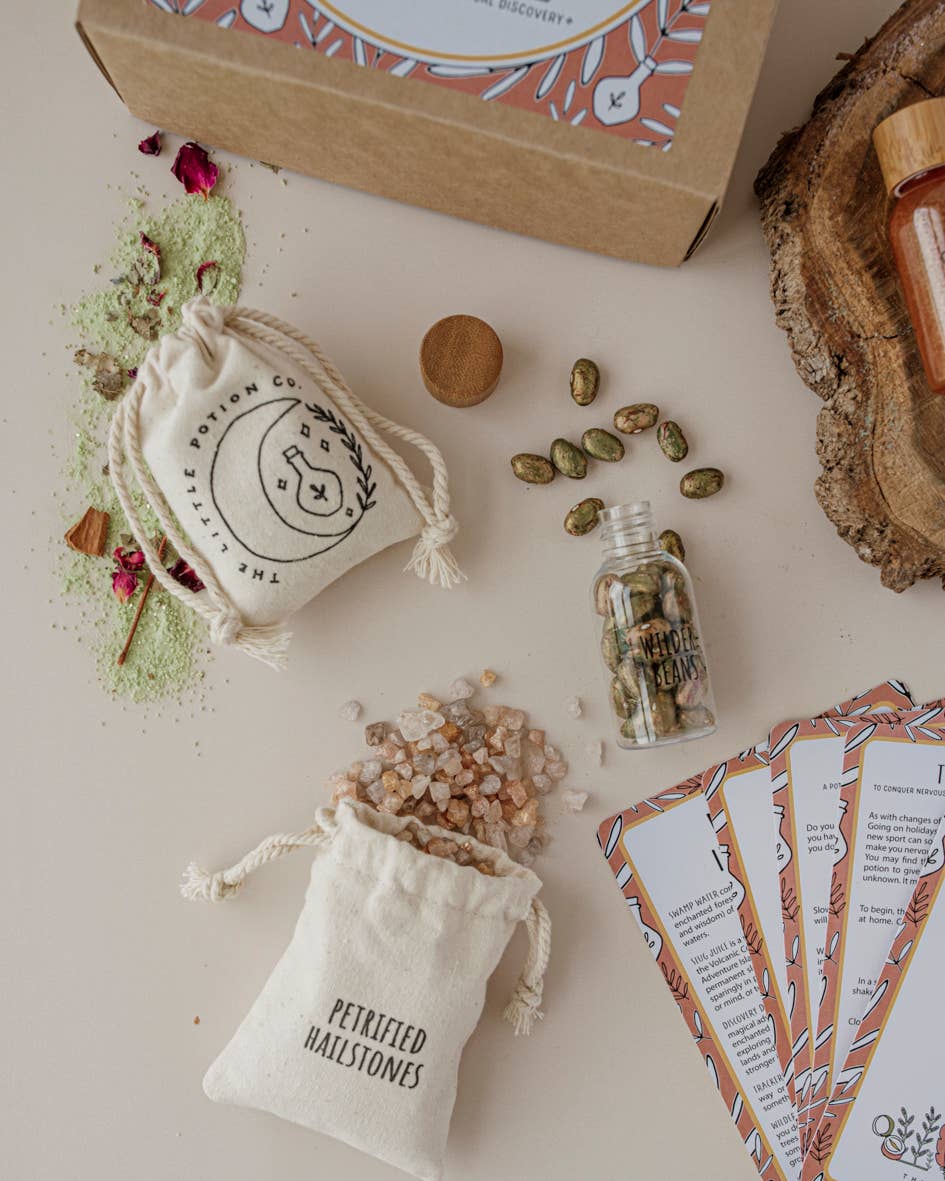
<point>881,432</point>
<point>460,360</point>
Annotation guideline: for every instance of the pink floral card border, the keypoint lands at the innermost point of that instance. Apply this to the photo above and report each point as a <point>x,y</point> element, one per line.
<point>629,81</point>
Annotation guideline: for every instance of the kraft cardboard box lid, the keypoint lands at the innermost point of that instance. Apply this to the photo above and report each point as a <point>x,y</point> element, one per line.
<point>586,82</point>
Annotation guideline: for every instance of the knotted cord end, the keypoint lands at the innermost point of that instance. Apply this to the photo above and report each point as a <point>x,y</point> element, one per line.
<point>432,558</point>
<point>200,886</point>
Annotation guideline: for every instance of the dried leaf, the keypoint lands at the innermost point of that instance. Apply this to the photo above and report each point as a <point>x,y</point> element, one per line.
<point>109,377</point>
<point>88,536</point>
<point>151,145</point>
<point>108,385</point>
<point>145,324</point>
<point>194,169</point>
<point>84,357</point>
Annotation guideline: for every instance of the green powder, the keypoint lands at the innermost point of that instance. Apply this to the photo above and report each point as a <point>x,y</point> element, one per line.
<point>169,648</point>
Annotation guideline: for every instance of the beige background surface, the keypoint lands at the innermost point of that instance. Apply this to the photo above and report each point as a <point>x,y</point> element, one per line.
<point>103,967</point>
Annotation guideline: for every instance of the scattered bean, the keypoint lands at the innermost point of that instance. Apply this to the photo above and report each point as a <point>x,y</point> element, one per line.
<point>672,543</point>
<point>533,469</point>
<point>585,381</point>
<point>703,482</point>
<point>568,459</point>
<point>672,441</point>
<point>600,444</point>
<point>583,518</point>
<point>630,420</point>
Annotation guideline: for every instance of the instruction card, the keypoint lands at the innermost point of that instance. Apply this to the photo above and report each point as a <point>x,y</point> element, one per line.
<point>788,896</point>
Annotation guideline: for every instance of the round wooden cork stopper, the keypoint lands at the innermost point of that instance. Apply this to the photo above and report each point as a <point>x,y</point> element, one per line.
<point>460,360</point>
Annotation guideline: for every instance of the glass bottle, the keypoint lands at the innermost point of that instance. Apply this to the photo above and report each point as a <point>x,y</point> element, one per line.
<point>650,642</point>
<point>910,145</point>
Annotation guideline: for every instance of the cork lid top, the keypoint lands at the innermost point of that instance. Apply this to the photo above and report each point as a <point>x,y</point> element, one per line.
<point>911,141</point>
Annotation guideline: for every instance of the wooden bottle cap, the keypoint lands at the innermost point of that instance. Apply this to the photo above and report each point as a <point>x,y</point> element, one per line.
<point>460,360</point>
<point>911,141</point>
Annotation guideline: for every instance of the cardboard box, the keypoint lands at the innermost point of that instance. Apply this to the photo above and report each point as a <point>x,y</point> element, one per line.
<point>522,114</point>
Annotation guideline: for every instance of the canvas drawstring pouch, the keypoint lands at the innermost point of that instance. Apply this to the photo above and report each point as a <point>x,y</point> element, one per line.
<point>358,1031</point>
<point>268,476</point>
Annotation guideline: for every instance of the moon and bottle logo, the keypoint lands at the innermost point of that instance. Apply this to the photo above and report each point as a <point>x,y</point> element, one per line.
<point>289,479</point>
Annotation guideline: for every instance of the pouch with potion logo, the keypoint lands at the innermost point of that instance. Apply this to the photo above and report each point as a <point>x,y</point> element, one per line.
<point>266,473</point>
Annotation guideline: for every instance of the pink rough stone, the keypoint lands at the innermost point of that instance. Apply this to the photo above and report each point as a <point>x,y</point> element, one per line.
<point>344,788</point>
<point>370,771</point>
<point>490,785</point>
<point>415,724</point>
<point>533,759</point>
<point>519,837</point>
<point>419,785</point>
<point>517,793</point>
<point>527,815</point>
<point>459,690</point>
<point>457,812</point>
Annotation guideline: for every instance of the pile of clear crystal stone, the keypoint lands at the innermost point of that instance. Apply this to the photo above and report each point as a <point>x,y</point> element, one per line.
<point>476,772</point>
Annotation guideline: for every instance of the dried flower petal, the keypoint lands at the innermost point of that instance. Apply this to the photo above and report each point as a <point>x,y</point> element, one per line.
<point>124,585</point>
<point>129,560</point>
<point>185,575</point>
<point>150,245</point>
<point>125,577</point>
<point>207,275</point>
<point>151,145</point>
<point>195,170</point>
<point>154,298</point>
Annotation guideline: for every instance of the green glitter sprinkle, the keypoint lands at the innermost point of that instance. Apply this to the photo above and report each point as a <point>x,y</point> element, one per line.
<point>169,649</point>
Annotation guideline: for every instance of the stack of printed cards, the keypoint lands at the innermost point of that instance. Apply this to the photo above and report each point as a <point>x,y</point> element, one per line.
<point>790,898</point>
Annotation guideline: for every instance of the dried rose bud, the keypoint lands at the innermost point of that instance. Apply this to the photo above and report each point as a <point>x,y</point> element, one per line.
<point>151,145</point>
<point>125,578</point>
<point>195,170</point>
